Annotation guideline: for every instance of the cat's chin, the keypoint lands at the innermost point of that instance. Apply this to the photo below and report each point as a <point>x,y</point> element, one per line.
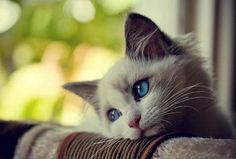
<point>136,134</point>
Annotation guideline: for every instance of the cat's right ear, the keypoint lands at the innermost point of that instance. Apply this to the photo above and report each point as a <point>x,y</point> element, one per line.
<point>86,90</point>
<point>144,40</point>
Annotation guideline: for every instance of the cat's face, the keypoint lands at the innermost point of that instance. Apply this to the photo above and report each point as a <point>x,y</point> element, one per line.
<point>133,90</point>
<point>140,94</point>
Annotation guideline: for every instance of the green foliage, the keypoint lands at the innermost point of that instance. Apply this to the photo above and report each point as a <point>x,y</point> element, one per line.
<point>40,24</point>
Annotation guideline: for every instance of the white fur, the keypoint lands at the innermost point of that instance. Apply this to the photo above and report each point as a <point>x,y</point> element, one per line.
<point>180,97</point>
<point>180,72</point>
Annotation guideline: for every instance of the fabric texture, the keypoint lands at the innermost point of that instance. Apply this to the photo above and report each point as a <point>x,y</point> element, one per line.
<point>196,148</point>
<point>46,141</point>
<point>83,145</point>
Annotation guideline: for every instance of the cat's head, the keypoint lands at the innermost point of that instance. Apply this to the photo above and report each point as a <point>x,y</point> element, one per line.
<point>143,93</point>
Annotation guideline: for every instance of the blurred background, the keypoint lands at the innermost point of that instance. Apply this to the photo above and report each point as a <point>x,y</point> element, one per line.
<point>46,43</point>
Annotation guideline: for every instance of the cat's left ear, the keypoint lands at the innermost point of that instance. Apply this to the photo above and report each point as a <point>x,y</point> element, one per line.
<point>144,40</point>
<point>86,90</point>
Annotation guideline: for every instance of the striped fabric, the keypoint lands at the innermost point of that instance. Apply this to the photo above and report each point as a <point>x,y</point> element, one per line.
<point>87,145</point>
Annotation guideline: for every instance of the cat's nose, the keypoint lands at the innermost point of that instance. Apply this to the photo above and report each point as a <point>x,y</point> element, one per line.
<point>135,122</point>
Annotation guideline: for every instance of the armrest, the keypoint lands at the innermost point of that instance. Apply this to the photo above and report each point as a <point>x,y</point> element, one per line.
<point>41,141</point>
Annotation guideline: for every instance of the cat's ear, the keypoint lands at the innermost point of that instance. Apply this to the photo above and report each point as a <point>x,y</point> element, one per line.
<point>144,40</point>
<point>86,90</point>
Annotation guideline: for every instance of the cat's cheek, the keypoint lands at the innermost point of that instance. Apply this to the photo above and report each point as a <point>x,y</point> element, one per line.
<point>115,129</point>
<point>154,131</point>
<point>151,132</point>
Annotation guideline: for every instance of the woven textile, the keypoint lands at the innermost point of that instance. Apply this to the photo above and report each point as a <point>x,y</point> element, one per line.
<point>88,145</point>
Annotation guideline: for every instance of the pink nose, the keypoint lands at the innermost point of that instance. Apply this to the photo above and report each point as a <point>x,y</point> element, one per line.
<point>135,122</point>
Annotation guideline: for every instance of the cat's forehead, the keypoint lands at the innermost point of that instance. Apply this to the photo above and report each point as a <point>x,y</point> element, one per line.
<point>115,87</point>
<point>126,72</point>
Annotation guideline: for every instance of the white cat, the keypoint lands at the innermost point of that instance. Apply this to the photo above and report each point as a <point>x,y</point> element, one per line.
<point>160,86</point>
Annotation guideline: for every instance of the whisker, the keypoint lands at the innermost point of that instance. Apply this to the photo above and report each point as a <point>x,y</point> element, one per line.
<point>173,113</point>
<point>181,92</point>
<point>168,87</point>
<point>181,97</point>
<point>175,102</point>
<point>181,106</point>
<point>170,103</point>
<point>167,121</point>
<point>167,96</point>
<point>96,143</point>
<point>188,99</point>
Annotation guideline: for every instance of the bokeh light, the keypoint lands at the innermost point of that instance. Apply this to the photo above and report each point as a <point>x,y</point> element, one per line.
<point>23,54</point>
<point>81,10</point>
<point>115,7</point>
<point>9,14</point>
<point>48,43</point>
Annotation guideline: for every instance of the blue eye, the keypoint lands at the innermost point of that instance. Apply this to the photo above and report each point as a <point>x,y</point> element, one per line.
<point>140,89</point>
<point>113,114</point>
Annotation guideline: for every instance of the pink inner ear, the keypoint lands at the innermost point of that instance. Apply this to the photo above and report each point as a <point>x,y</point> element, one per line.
<point>154,49</point>
<point>144,40</point>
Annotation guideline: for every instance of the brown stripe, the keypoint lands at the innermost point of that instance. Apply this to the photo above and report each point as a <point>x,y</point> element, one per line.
<point>88,145</point>
<point>92,147</point>
<point>64,146</point>
<point>149,149</point>
<point>128,146</point>
<point>78,149</point>
<point>133,150</point>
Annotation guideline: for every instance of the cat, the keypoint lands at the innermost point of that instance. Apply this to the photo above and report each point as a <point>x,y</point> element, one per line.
<point>161,85</point>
